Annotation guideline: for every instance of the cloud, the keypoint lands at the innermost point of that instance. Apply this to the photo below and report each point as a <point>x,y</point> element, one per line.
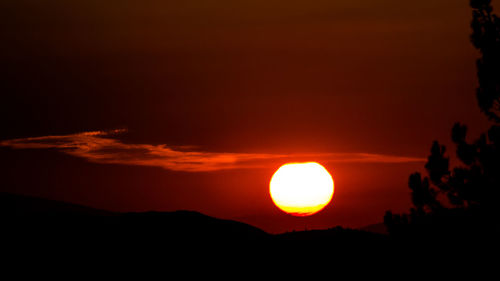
<point>103,147</point>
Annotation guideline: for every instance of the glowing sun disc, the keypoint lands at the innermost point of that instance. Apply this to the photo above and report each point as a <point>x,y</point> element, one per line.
<point>301,189</point>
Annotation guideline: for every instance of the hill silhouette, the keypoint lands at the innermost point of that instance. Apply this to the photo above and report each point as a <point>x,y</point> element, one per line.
<point>47,232</point>
<point>375,228</point>
<point>23,206</point>
<point>36,219</point>
<point>34,228</point>
<point>26,214</point>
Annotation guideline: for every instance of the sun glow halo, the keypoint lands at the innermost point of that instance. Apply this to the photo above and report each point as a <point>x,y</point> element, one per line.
<point>301,189</point>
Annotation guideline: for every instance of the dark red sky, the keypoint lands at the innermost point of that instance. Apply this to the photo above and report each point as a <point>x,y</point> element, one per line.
<point>319,80</point>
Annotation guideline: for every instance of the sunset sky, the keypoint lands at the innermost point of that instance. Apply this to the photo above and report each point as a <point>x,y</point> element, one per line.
<point>192,105</point>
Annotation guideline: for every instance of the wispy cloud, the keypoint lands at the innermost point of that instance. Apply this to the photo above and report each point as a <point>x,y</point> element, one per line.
<point>103,147</point>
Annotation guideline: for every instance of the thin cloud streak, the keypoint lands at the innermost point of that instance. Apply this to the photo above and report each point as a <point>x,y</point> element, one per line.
<point>102,147</point>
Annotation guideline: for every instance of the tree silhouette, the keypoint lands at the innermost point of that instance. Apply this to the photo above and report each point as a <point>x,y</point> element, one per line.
<point>472,189</point>
<point>486,38</point>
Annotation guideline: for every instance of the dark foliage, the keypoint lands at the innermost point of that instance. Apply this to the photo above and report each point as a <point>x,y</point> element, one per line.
<point>472,188</point>
<point>486,38</point>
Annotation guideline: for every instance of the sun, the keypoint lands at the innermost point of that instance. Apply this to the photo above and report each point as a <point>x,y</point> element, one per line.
<point>301,189</point>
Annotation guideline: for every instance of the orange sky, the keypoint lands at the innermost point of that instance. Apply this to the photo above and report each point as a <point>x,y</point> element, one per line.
<point>262,81</point>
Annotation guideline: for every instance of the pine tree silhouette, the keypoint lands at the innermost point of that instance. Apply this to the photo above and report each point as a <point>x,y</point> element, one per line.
<point>472,189</point>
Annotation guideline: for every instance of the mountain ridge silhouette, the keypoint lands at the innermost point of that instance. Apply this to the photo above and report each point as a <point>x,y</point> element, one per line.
<point>51,218</point>
<point>31,225</point>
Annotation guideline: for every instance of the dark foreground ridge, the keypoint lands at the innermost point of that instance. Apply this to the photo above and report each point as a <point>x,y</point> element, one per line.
<point>32,218</point>
<point>34,226</point>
